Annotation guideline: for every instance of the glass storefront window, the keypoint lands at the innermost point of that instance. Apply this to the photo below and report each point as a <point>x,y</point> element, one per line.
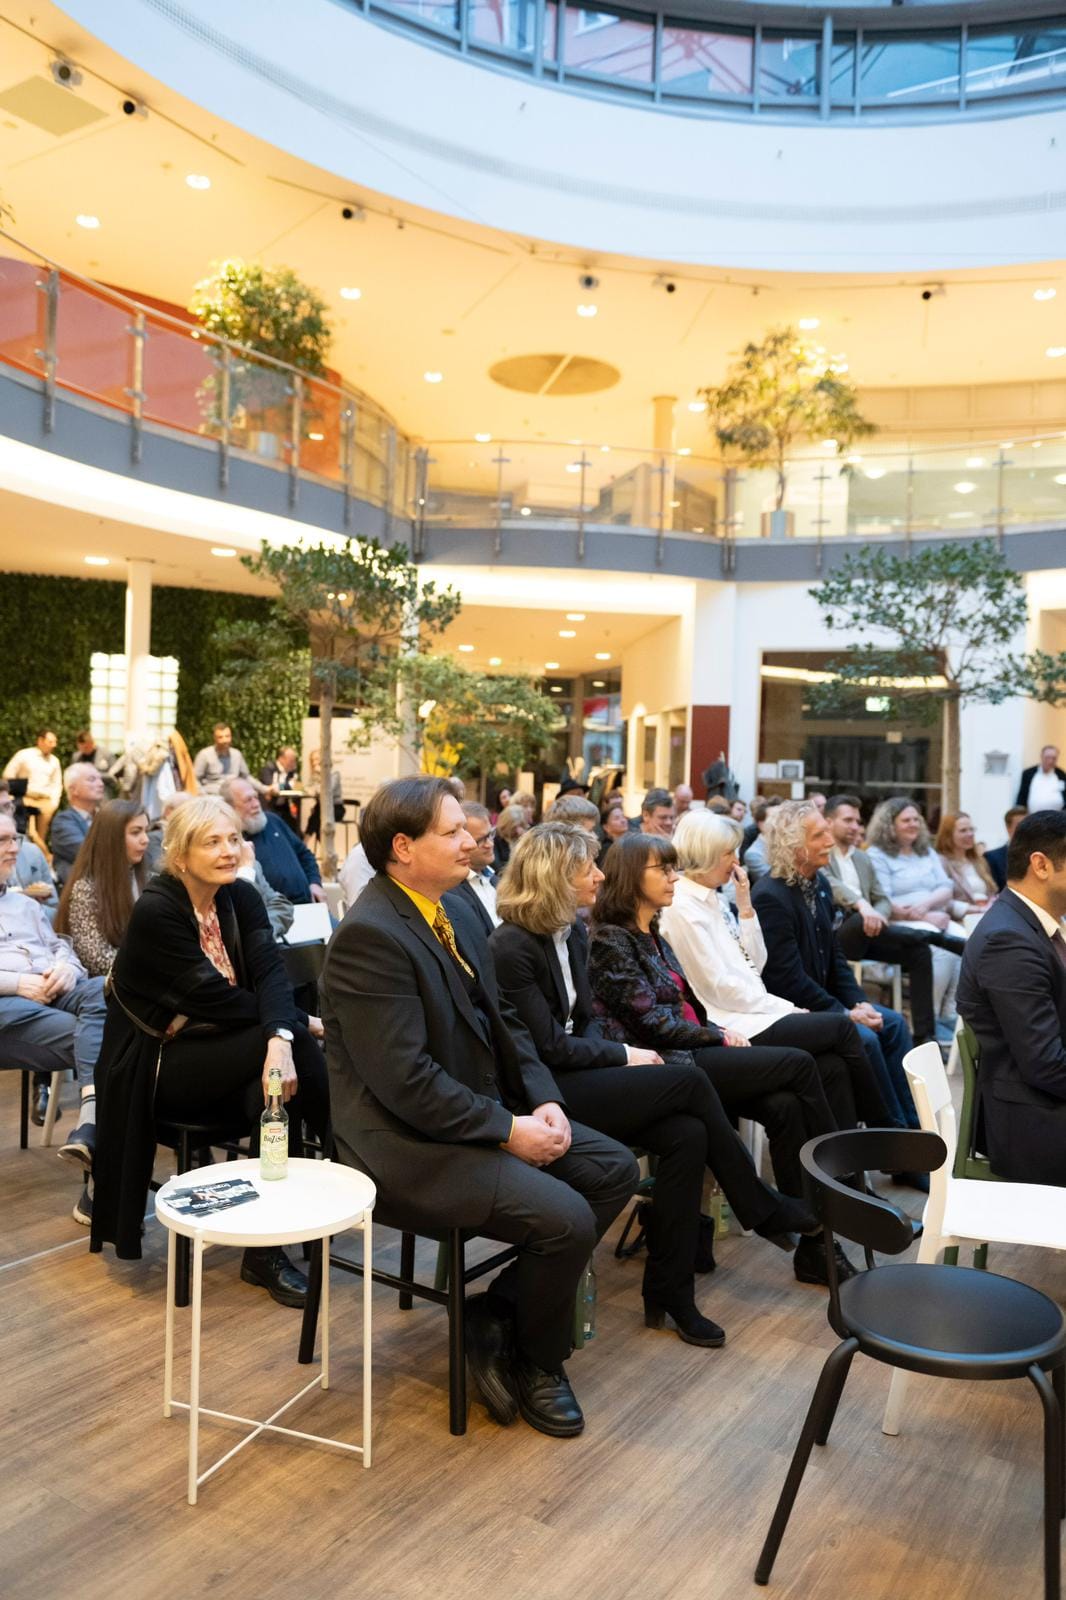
<point>789,66</point>
<point>909,71</point>
<point>705,63</point>
<point>607,43</point>
<point>426,11</point>
<point>503,24</point>
<point>842,69</point>
<point>1029,57</point>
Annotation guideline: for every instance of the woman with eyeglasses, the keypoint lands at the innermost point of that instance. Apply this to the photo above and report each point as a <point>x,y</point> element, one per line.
<point>540,953</point>
<point>641,994</point>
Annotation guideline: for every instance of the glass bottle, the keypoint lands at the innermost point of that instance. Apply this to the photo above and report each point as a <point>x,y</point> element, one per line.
<point>274,1132</point>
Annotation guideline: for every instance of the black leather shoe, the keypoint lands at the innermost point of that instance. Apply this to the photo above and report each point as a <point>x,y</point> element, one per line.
<point>81,1146</point>
<point>705,1261</point>
<point>809,1263</point>
<point>788,1218</point>
<point>912,1180</point>
<point>691,1325</point>
<point>272,1270</point>
<point>39,1107</point>
<point>488,1355</point>
<point>547,1401</point>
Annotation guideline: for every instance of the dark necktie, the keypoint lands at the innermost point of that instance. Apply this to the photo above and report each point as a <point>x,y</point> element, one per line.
<point>1058,944</point>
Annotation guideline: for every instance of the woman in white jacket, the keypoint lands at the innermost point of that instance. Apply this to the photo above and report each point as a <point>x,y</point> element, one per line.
<point>722,953</point>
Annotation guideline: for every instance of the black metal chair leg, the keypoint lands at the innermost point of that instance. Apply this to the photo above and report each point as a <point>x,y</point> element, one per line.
<point>314,1296</point>
<point>457,1333</point>
<point>829,1384</point>
<point>1052,1483</point>
<point>1058,1383</point>
<point>24,1109</point>
<point>407,1268</point>
<point>833,1399</point>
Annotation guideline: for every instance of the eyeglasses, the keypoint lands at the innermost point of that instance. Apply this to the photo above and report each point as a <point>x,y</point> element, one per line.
<point>670,872</point>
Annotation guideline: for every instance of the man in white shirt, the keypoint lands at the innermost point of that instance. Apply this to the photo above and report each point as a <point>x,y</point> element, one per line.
<point>1043,788</point>
<point>44,779</point>
<point>479,890</point>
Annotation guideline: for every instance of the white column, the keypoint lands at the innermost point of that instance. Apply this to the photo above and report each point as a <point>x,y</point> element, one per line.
<point>138,643</point>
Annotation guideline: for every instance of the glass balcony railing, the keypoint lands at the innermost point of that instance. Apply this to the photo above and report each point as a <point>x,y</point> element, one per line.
<point>879,66</point>
<point>95,347</point>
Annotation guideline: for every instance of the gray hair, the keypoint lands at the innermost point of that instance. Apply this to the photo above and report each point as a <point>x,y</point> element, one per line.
<point>571,808</point>
<point>786,836</point>
<point>76,771</point>
<point>474,808</point>
<point>702,838</point>
<point>882,829</point>
<point>227,786</point>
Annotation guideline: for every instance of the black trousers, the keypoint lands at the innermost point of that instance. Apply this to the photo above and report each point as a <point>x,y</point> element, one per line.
<point>673,1112</point>
<point>221,1074</point>
<point>849,1081</point>
<point>910,948</point>
<point>779,1088</point>
<point>556,1215</point>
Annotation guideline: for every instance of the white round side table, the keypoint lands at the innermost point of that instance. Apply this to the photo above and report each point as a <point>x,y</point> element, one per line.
<point>316,1200</point>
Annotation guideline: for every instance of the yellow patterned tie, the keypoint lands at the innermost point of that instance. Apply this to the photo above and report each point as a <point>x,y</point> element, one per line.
<point>446,934</point>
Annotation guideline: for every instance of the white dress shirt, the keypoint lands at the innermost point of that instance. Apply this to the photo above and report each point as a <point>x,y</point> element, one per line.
<point>43,774</point>
<point>1046,920</point>
<point>1045,791</point>
<point>849,872</point>
<point>356,872</point>
<point>722,958</point>
<point>562,956</point>
<point>486,893</point>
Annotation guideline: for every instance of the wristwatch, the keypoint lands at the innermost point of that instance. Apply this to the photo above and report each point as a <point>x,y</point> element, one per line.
<point>283,1033</point>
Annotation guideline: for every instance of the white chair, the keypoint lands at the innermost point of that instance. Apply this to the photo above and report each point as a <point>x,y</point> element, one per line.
<point>968,1210</point>
<point>335,900</point>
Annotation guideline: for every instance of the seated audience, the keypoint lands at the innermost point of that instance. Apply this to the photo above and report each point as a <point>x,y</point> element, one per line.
<point>919,890</point>
<point>478,891</point>
<point>87,749</point>
<point>1043,788</point>
<point>683,798</point>
<point>641,995</point>
<point>753,856</point>
<point>996,860</point>
<point>817,798</point>
<point>278,909</point>
<point>503,800</point>
<point>279,778</point>
<point>199,1011</point>
<point>722,952</point>
<point>219,761</point>
<point>615,825</point>
<point>511,824</point>
<point>32,873</point>
<point>314,787</point>
<point>48,1000</point>
<point>657,814</point>
<point>540,953</point>
<point>287,863</point>
<point>805,964</point>
<point>452,1113</point>
<point>1013,995</point>
<point>38,765</point>
<point>964,862</point>
<point>108,877</point>
<point>719,806</point>
<point>70,827</point>
<point>867,931</point>
<point>738,809</point>
<point>575,808</point>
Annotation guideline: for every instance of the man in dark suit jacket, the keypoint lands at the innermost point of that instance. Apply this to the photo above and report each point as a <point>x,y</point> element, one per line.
<point>805,964</point>
<point>1051,778</point>
<point>996,860</point>
<point>438,1094</point>
<point>1012,992</point>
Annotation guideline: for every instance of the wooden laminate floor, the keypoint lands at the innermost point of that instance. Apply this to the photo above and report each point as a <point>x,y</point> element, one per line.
<point>666,1496</point>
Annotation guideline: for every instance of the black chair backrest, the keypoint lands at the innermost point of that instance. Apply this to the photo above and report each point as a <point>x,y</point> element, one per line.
<point>303,962</point>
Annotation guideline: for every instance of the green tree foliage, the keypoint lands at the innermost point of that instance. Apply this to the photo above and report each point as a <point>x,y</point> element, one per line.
<point>778,393</point>
<point>475,722</point>
<point>943,624</point>
<point>261,687</point>
<point>267,309</point>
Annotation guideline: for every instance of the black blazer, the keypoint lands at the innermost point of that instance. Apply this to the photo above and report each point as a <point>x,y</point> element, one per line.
<point>1027,778</point>
<point>1012,992</point>
<point>804,963</point>
<point>423,1081</point>
<point>996,861</point>
<point>66,837</point>
<point>529,976</point>
<point>467,895</point>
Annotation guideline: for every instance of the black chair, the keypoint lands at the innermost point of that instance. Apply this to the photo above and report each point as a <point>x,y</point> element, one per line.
<point>948,1322</point>
<point>451,1295</point>
<point>32,1061</point>
<point>189,1141</point>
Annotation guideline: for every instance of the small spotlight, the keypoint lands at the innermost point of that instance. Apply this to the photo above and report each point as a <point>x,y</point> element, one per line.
<point>483,438</point>
<point>1044,294</point>
<point>349,293</point>
<point>97,561</point>
<point>84,220</point>
<point>808,324</point>
<point>223,550</point>
<point>66,74</point>
<point>433,377</point>
<point>198,180</point>
<point>697,406</point>
<point>587,310</point>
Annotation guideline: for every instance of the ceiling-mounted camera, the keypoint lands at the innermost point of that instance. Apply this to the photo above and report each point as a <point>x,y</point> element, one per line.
<point>933,291</point>
<point>353,213</point>
<point>65,73</point>
<point>667,285</point>
<point>588,280</point>
<point>133,108</point>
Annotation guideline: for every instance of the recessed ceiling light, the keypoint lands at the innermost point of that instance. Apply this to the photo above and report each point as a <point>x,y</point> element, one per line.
<point>1036,444</point>
<point>875,472</point>
<point>808,324</point>
<point>587,311</point>
<point>525,512</point>
<point>495,661</point>
<point>567,633</point>
<point>85,220</point>
<point>685,450</point>
<point>557,688</point>
<point>1060,477</point>
<point>1054,351</point>
<point>222,550</point>
<point>1044,294</point>
<point>575,616</point>
<point>483,438</point>
<point>433,377</point>
<point>317,437</point>
<point>852,460</point>
<point>829,444</point>
<point>1008,444</point>
<point>697,406</point>
<point>606,449</point>
<point>198,180</point>
<point>97,561</point>
<point>350,293</point>
<point>674,504</point>
<point>551,666</point>
<point>603,655</point>
<point>598,683</point>
<point>965,487</point>
<point>467,649</point>
<point>573,466</point>
<point>975,461</point>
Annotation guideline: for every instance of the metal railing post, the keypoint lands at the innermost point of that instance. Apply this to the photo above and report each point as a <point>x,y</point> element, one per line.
<point>821,519</point>
<point>390,476</point>
<point>139,334</point>
<point>421,492</point>
<point>225,406</point>
<point>1001,505</point>
<point>500,461</point>
<point>584,464</point>
<point>909,509</point>
<point>48,356</point>
<point>348,457</point>
<point>295,432</point>
<point>660,543</point>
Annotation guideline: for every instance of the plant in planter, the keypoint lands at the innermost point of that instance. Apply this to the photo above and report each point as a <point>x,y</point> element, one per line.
<point>778,392</point>
<point>269,310</point>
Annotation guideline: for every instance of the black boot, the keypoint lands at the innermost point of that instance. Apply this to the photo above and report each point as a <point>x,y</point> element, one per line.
<point>705,1261</point>
<point>809,1263</point>
<point>691,1325</point>
<point>270,1268</point>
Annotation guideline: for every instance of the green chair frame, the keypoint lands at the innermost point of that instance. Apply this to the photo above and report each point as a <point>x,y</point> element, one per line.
<point>968,1164</point>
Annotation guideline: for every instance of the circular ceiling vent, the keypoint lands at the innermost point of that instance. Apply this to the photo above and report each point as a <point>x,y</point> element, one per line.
<point>554,375</point>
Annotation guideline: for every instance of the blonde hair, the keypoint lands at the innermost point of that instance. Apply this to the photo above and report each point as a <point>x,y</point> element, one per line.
<point>569,807</point>
<point>535,890</point>
<point>702,838</point>
<point>786,836</point>
<point>186,826</point>
<point>511,818</point>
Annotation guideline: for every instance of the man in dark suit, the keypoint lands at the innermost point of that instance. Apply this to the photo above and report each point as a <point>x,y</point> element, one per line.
<point>1043,788</point>
<point>996,860</point>
<point>794,904</point>
<point>1012,992</point>
<point>85,793</point>
<point>438,1094</point>
<point>279,778</point>
<point>478,891</point>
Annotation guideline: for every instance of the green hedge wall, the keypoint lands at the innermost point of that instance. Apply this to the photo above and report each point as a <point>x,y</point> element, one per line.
<point>51,626</point>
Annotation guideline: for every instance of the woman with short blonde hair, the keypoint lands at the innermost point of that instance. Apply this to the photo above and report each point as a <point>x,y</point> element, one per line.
<point>536,890</point>
<point>512,822</point>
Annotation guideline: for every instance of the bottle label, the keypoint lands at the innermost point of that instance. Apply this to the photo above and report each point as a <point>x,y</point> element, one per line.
<point>273,1144</point>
